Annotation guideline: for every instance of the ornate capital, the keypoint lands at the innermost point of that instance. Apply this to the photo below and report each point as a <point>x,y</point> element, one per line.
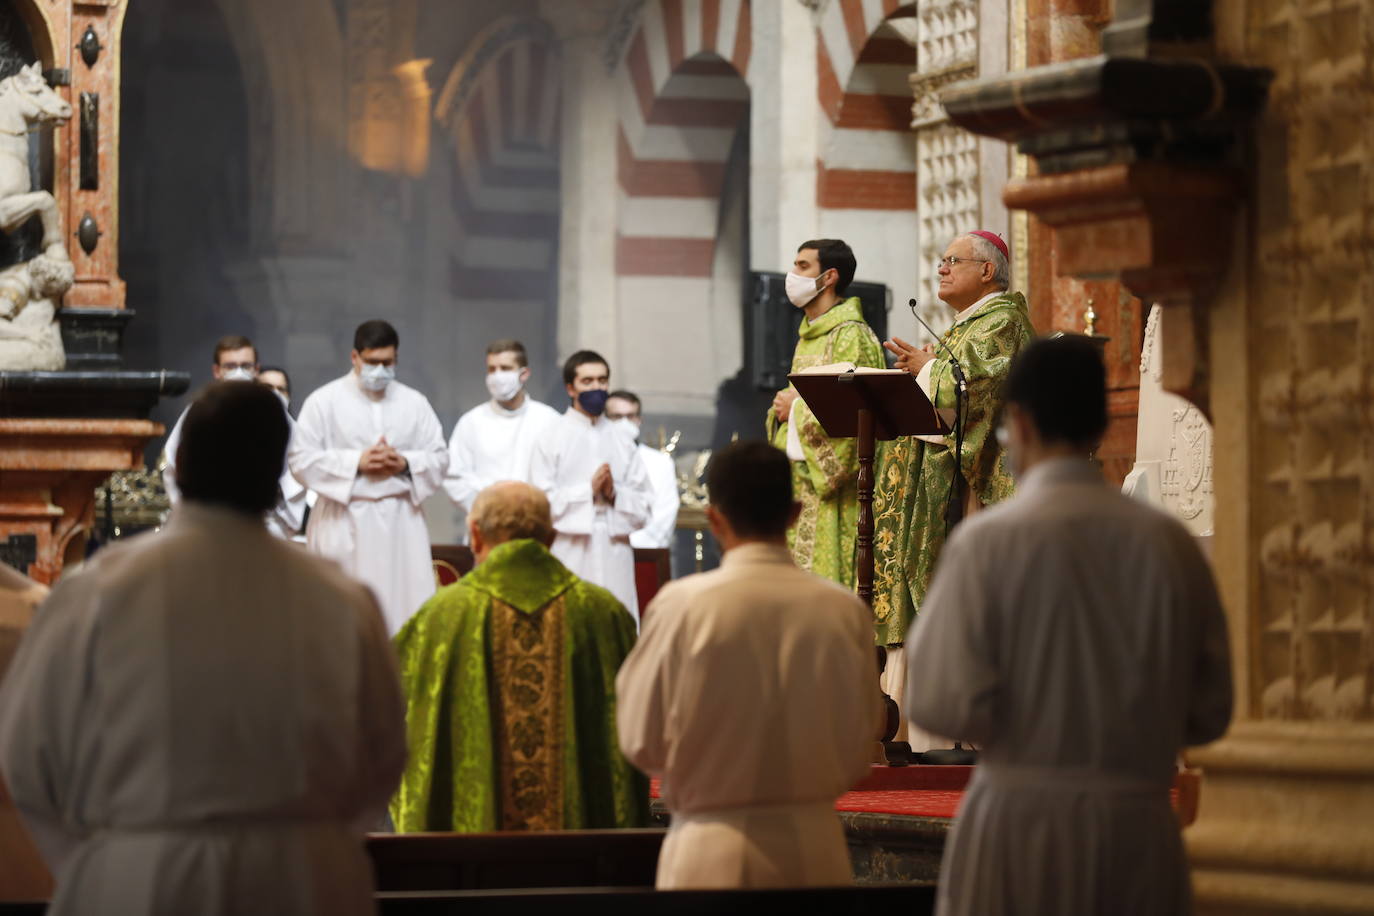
<point>926,89</point>
<point>1137,170</point>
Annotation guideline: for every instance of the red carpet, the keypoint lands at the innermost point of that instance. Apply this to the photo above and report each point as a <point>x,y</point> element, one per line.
<point>922,791</point>
<point>917,791</point>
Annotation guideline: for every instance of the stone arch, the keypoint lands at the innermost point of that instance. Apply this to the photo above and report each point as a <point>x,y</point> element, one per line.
<point>187,195</point>
<point>866,174</point>
<point>292,59</point>
<point>844,28</point>
<point>682,175</point>
<point>497,173</point>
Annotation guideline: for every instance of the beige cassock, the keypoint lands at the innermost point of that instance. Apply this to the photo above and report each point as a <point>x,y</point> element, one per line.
<point>22,873</point>
<point>204,720</point>
<point>1076,636</point>
<point>373,527</point>
<point>753,693</point>
<point>592,537</point>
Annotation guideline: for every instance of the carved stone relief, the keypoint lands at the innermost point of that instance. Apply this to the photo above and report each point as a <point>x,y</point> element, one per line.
<point>1312,488</point>
<point>946,157</point>
<point>1173,467</point>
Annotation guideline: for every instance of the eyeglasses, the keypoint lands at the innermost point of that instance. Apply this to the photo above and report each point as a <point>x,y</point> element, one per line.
<point>951,261</point>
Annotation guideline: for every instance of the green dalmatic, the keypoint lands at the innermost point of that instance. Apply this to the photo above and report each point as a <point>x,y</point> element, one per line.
<point>915,477</point>
<point>509,677</point>
<point>826,483</point>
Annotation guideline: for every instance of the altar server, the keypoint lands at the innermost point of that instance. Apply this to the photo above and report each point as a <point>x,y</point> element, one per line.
<point>1075,635</point>
<point>206,719</point>
<point>623,408</point>
<point>373,450</point>
<point>596,483</point>
<point>494,440</point>
<point>236,359</point>
<point>753,693</point>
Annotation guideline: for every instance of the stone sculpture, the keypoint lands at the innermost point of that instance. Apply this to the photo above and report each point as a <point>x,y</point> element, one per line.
<point>30,290</point>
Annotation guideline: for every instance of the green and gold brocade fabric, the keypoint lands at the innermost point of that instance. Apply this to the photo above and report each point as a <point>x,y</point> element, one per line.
<point>915,476</point>
<point>509,676</point>
<point>826,483</point>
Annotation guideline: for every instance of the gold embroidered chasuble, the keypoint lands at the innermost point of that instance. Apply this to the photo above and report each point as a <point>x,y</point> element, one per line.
<point>826,483</point>
<point>914,477</point>
<point>509,677</point>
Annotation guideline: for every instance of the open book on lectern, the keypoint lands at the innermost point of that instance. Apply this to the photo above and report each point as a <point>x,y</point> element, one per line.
<point>837,392</point>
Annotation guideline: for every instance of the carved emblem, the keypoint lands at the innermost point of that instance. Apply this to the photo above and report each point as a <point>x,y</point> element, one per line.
<point>1187,471</point>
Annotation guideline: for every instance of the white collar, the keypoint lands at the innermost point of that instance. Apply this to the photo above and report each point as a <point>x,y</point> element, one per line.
<point>503,412</point>
<point>968,312</point>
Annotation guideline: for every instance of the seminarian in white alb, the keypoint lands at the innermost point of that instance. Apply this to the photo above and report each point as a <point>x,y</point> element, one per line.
<point>373,450</point>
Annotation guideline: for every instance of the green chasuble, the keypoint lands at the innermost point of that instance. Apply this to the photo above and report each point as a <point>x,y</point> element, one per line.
<point>826,483</point>
<point>509,676</point>
<point>914,480</point>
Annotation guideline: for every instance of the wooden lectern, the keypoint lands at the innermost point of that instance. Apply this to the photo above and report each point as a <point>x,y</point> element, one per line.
<point>868,405</point>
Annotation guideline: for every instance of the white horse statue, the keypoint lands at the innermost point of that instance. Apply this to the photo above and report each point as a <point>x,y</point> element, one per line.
<point>29,291</point>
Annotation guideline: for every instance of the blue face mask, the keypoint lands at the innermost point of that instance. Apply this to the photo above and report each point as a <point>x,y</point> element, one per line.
<point>594,401</point>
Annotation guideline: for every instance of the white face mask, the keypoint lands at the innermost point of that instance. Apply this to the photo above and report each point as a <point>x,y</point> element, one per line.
<point>504,384</point>
<point>376,378</point>
<point>238,374</point>
<point>285,401</point>
<point>626,427</point>
<point>802,290</point>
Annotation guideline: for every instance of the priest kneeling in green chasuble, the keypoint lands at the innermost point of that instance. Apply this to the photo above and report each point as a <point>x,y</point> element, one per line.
<point>509,676</point>
<point>825,471</point>
<point>918,474</point>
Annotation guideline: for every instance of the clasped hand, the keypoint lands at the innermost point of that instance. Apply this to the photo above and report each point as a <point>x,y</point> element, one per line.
<point>381,460</point>
<point>782,404</point>
<point>909,356</point>
<point>603,485</point>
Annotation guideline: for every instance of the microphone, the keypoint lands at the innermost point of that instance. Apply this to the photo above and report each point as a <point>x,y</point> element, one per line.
<point>953,361</point>
<point>954,507</point>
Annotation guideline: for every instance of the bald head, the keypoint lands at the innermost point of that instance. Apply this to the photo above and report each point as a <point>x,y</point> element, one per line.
<point>508,511</point>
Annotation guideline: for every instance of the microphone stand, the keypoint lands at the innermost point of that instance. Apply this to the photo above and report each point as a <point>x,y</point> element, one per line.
<point>954,508</point>
<point>954,514</point>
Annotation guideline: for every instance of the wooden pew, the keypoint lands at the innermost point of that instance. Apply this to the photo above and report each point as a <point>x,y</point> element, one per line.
<point>913,900</point>
<point>608,872</point>
<point>471,861</point>
<point>909,900</point>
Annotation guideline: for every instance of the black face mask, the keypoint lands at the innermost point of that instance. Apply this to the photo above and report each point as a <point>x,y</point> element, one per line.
<point>594,401</point>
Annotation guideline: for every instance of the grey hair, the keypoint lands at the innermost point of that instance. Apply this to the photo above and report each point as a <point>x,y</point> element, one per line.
<point>985,250</point>
<point>510,509</point>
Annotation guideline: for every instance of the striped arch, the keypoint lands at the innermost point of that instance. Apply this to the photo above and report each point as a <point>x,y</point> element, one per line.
<point>869,160</point>
<point>682,100</point>
<point>845,28</point>
<point>683,112</point>
<point>499,115</point>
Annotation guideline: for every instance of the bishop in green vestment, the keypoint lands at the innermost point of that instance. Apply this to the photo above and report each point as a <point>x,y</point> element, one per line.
<point>914,481</point>
<point>825,471</point>
<point>509,677</point>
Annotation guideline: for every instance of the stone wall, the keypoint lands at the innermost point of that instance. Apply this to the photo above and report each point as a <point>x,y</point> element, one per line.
<point>1289,794</point>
